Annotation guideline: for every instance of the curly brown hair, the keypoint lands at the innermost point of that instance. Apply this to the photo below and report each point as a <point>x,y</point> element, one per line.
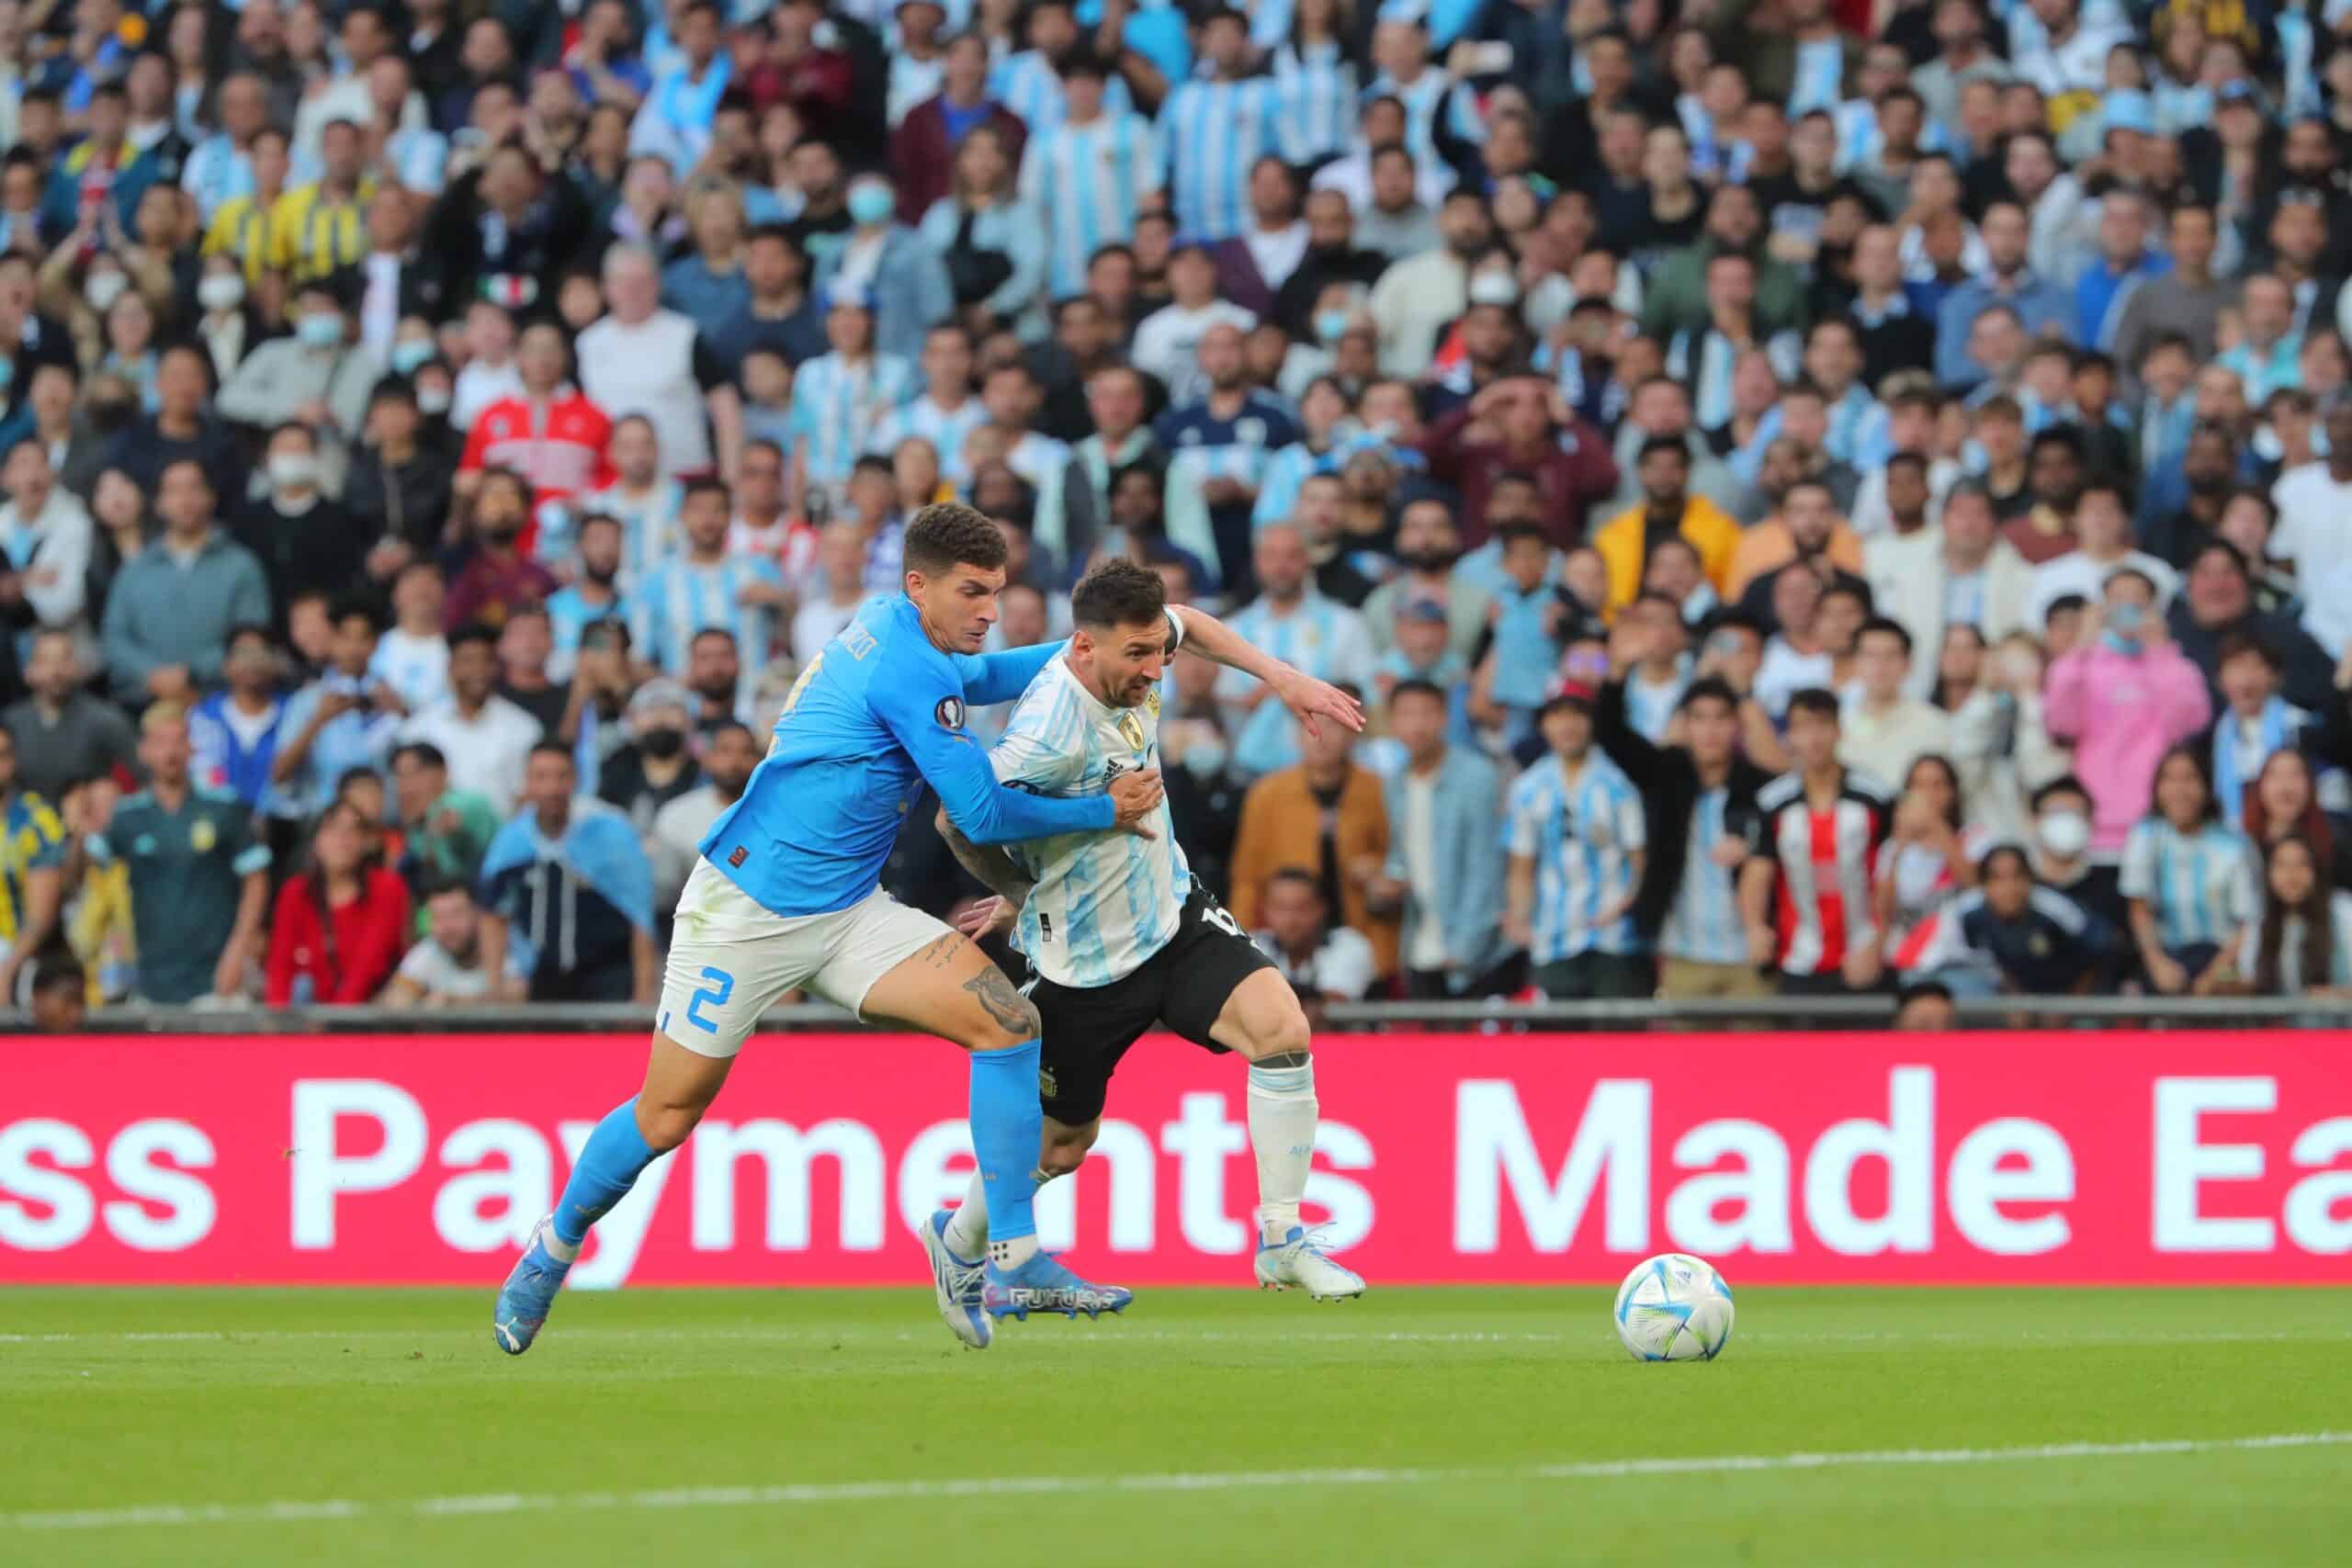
<point>947,535</point>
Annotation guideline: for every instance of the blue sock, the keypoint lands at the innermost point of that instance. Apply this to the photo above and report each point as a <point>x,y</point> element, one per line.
<point>609,1165</point>
<point>1007,1125</point>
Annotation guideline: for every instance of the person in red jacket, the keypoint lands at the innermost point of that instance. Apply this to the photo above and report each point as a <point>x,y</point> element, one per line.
<point>342,920</point>
<point>1521,425</point>
<point>552,435</point>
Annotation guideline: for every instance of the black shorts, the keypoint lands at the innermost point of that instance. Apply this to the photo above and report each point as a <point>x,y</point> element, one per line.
<point>1088,1028</point>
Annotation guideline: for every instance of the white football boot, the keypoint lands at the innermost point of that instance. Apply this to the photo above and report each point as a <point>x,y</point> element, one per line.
<point>1298,1261</point>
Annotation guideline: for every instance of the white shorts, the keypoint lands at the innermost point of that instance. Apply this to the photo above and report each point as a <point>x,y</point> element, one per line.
<point>731,959</point>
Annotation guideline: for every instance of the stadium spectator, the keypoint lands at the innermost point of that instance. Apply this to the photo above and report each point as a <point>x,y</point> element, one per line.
<point>1578,839</point>
<point>307,543</point>
<point>45,545</point>
<point>641,360</point>
<point>1804,891</point>
<point>341,922</point>
<point>498,579</point>
<point>2124,697</point>
<point>2301,944</point>
<point>2032,940</point>
<point>1324,817</point>
<point>1323,962</point>
<point>730,753</point>
<point>569,893</point>
<point>63,732</point>
<point>344,719</point>
<point>1444,865</point>
<point>1667,509</point>
<point>2189,879</point>
<point>316,377</point>
<point>233,733</point>
<point>199,880</point>
<point>1884,731</point>
<point>482,737</point>
<point>444,968</point>
<point>654,766</point>
<point>32,862</point>
<point>169,611</point>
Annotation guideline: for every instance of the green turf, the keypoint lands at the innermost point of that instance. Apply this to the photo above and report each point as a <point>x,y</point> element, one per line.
<point>386,1400</point>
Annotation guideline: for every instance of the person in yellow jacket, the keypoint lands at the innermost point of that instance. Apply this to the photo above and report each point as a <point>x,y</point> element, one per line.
<point>242,226</point>
<point>1663,470</point>
<point>321,226</point>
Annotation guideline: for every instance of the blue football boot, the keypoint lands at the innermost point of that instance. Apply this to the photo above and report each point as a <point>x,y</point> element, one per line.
<point>1042,1284</point>
<point>957,1284</point>
<point>529,1293</point>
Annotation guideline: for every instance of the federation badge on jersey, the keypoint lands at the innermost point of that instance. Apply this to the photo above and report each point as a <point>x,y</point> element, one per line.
<point>949,713</point>
<point>203,836</point>
<point>1131,728</point>
<point>1152,702</point>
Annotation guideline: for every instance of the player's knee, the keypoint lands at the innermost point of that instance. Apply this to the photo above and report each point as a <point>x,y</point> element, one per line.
<point>1061,1158</point>
<point>1285,1035</point>
<point>1005,1021</point>
<point>663,1125</point>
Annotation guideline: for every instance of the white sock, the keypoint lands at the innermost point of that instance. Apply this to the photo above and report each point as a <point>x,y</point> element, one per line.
<point>968,1227</point>
<point>1014,1252</point>
<point>562,1251</point>
<point>1282,1115</point>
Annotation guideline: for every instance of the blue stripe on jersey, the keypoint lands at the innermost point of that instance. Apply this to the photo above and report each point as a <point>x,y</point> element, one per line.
<point>1088,181</point>
<point>1702,925</point>
<point>679,600</point>
<point>1324,638</point>
<point>945,430</point>
<point>2199,886</point>
<point>1214,132</point>
<point>1580,838</point>
<point>835,406</point>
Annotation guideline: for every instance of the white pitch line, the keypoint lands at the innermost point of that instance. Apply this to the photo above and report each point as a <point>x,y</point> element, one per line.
<point>809,1494</point>
<point>1111,1334</point>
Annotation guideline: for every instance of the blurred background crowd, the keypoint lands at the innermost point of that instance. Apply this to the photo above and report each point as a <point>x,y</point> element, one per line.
<point>1817,495</point>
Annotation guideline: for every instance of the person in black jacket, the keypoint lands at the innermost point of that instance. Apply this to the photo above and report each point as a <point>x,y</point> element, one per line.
<point>1699,795</point>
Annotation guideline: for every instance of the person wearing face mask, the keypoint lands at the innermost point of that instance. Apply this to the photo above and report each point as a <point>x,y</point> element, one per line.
<point>653,767</point>
<point>2062,851</point>
<point>316,377</point>
<point>304,539</point>
<point>1331,258</point>
<point>226,324</point>
<point>895,266</point>
<point>2123,695</point>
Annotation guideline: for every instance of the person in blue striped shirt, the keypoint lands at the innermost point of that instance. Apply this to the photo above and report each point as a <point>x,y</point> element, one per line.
<point>704,587</point>
<point>641,499</point>
<point>1034,82</point>
<point>946,413</point>
<point>1441,124</point>
<point>2189,880</point>
<point>594,594</point>
<point>1215,130</point>
<point>839,398</point>
<point>1578,840</point>
<point>1090,173</point>
<point>1297,626</point>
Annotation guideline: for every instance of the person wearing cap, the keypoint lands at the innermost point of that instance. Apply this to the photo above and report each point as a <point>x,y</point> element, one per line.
<point>894,265</point>
<point>1578,838</point>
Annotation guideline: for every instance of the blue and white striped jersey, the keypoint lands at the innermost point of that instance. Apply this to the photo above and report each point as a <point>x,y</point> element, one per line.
<point>569,615</point>
<point>681,598</point>
<point>1212,132</point>
<point>1582,833</point>
<point>2202,886</point>
<point>1323,96</point>
<point>1027,84</point>
<point>1702,925</point>
<point>1089,180</point>
<point>1104,901</point>
<point>836,404</point>
<point>1320,636</point>
<point>648,525</point>
<point>946,429</point>
<point>215,174</point>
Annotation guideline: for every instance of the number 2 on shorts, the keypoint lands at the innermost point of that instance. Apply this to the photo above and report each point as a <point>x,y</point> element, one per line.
<point>716,995</point>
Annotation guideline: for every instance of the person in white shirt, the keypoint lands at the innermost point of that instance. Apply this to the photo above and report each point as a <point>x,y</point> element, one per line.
<point>841,563</point>
<point>412,658</point>
<point>2315,506</point>
<point>1420,294</point>
<point>45,536</point>
<point>1333,964</point>
<point>490,373</point>
<point>2102,547</point>
<point>486,738</point>
<point>679,825</point>
<point>1882,732</point>
<point>1168,344</point>
<point>446,968</point>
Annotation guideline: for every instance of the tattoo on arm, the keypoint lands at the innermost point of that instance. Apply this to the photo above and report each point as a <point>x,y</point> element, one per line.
<point>989,863</point>
<point>1011,1009</point>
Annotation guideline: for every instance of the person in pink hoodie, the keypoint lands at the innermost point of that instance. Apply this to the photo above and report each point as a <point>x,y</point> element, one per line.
<point>2123,696</point>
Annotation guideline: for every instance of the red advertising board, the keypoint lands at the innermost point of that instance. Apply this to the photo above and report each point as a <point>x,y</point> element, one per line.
<point>1998,1158</point>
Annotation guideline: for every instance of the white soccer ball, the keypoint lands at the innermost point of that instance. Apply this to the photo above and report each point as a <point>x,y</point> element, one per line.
<point>1674,1307</point>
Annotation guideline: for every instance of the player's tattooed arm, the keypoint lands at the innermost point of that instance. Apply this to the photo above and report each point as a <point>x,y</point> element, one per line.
<point>989,863</point>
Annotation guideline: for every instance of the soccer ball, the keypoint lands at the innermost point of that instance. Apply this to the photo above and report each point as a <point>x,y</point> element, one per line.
<point>1674,1307</point>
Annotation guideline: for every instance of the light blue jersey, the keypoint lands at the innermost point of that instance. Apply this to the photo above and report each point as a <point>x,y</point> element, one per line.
<point>681,599</point>
<point>1582,833</point>
<point>876,716</point>
<point>570,614</point>
<point>1322,96</point>
<point>1320,636</point>
<point>649,523</point>
<point>1212,133</point>
<point>1434,97</point>
<point>1089,180</point>
<point>946,429</point>
<point>1103,902</point>
<point>2201,887</point>
<point>836,406</point>
<point>1703,924</point>
<point>1028,84</point>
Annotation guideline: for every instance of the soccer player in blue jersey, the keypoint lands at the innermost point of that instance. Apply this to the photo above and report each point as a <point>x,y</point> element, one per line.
<point>787,894</point>
<point>1119,936</point>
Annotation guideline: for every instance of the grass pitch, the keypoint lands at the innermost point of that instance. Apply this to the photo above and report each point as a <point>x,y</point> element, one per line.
<point>1423,1427</point>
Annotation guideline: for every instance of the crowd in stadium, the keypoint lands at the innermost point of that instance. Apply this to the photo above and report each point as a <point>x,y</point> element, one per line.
<point>1816,495</point>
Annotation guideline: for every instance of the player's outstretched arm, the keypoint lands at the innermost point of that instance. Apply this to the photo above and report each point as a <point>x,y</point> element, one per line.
<point>1308,699</point>
<point>1000,677</point>
<point>992,863</point>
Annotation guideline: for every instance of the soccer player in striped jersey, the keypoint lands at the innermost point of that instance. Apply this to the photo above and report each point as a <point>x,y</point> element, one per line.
<point>1088,174</point>
<point>1215,130</point>
<point>706,586</point>
<point>1804,893</point>
<point>1118,935</point>
<point>1578,837</point>
<point>839,398</point>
